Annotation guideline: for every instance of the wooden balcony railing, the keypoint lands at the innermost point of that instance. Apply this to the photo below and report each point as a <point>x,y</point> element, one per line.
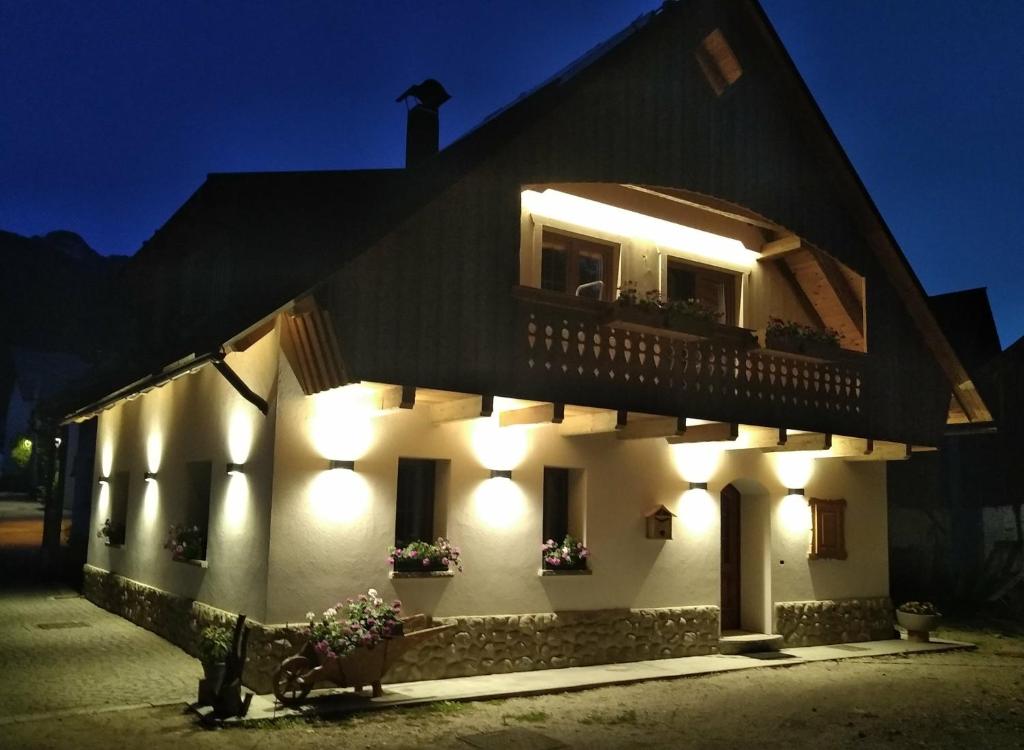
<point>567,351</point>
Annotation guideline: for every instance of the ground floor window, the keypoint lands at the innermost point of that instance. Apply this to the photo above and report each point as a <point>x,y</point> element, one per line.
<point>197,503</point>
<point>563,519</point>
<point>416,513</point>
<point>119,485</point>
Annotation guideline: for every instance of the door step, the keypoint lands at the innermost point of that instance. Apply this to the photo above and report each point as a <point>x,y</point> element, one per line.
<point>748,643</point>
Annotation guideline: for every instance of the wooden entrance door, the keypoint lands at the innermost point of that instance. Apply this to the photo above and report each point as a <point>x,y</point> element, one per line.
<point>730,558</point>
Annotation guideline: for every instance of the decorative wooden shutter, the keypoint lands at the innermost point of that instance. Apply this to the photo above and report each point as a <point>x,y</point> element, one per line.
<point>828,529</point>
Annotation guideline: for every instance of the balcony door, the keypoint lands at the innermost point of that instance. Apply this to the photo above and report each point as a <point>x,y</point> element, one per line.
<point>577,266</point>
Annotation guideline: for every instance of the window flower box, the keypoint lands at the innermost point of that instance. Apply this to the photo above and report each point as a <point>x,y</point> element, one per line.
<point>426,559</point>
<point>567,556</point>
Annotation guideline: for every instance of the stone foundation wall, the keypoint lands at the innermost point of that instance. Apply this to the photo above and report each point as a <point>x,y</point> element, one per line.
<point>819,623</point>
<point>476,645</point>
<point>521,643</point>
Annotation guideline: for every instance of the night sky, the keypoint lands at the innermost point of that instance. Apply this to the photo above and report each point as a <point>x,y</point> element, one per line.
<point>111,113</point>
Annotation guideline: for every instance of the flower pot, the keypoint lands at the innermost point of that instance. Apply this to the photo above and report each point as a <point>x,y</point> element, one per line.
<point>918,626</point>
<point>210,685</point>
<point>404,565</point>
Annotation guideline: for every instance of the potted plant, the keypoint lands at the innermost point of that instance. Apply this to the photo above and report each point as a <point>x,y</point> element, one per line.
<point>425,557</point>
<point>797,338</point>
<point>214,647</point>
<point>919,618</point>
<point>569,554</point>
<point>185,542</point>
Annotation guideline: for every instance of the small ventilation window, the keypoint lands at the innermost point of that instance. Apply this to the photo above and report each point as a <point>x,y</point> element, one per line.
<point>718,62</point>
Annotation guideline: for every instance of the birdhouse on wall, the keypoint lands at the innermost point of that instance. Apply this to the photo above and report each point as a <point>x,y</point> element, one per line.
<point>659,523</point>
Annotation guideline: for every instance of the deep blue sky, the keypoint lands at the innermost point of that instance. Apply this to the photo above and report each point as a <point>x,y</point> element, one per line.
<point>111,113</point>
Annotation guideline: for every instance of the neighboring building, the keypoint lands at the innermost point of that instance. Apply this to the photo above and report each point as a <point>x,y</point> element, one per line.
<point>956,534</point>
<point>37,377</point>
<point>358,358</point>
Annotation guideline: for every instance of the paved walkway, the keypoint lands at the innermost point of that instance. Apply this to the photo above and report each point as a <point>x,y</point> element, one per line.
<point>83,659</point>
<point>518,684</point>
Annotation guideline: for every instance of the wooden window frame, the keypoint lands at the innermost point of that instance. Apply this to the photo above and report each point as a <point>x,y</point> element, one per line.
<point>821,508</point>
<point>574,244</point>
<point>729,278</point>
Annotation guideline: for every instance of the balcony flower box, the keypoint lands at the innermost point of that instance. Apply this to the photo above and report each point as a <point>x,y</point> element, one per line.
<point>661,322</point>
<point>801,346</point>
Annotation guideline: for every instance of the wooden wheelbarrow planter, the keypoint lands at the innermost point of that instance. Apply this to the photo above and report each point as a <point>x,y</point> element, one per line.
<point>298,674</point>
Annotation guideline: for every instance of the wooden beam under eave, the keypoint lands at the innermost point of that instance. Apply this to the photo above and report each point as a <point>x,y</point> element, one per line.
<point>532,415</point>
<point>713,432</point>
<point>883,450</point>
<point>652,428</point>
<point>457,410</point>
<point>596,423</point>
<point>775,248</point>
<point>847,299</point>
<point>801,296</point>
<point>387,398</point>
<point>803,441</point>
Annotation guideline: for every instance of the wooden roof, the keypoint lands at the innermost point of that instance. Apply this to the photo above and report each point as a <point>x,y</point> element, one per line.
<point>262,238</point>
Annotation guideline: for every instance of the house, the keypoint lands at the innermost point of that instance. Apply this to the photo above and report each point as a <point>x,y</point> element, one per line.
<point>36,377</point>
<point>955,531</point>
<point>469,348</point>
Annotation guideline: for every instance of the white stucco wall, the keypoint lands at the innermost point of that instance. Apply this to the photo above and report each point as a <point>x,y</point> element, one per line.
<point>197,417</point>
<point>331,530</point>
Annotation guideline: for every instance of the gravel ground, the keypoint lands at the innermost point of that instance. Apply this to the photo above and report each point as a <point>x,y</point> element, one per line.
<point>947,700</point>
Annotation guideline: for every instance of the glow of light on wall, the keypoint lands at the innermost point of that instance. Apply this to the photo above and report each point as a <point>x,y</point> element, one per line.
<point>240,434</point>
<point>106,459</point>
<point>154,450</point>
<point>697,462</point>
<point>150,503</point>
<point>497,447</point>
<point>794,469</point>
<point>103,503</point>
<point>588,214</point>
<point>499,504</point>
<point>236,502</point>
<point>697,512</point>
<point>339,496</point>
<point>342,425</point>
<point>794,515</point>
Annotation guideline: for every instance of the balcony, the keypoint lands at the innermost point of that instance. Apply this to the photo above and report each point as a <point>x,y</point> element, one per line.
<point>574,351</point>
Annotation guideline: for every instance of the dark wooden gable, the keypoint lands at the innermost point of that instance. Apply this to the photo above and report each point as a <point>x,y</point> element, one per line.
<point>431,303</point>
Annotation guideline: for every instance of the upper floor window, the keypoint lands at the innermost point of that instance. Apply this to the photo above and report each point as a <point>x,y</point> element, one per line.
<point>577,266</point>
<point>715,289</point>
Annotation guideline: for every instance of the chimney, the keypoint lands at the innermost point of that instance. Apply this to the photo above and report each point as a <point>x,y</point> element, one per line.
<point>421,136</point>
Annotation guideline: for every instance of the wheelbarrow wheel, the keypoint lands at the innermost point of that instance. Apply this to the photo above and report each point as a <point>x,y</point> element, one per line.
<point>291,681</point>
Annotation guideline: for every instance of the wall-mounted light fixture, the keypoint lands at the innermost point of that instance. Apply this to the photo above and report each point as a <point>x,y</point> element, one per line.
<point>794,490</point>
<point>698,485</point>
<point>234,469</point>
<point>501,473</point>
<point>335,463</point>
<point>150,476</point>
<point>104,481</point>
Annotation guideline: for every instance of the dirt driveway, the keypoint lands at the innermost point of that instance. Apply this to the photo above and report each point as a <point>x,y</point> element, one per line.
<point>948,700</point>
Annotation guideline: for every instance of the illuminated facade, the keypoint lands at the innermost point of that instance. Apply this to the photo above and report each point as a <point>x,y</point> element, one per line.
<point>574,321</point>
